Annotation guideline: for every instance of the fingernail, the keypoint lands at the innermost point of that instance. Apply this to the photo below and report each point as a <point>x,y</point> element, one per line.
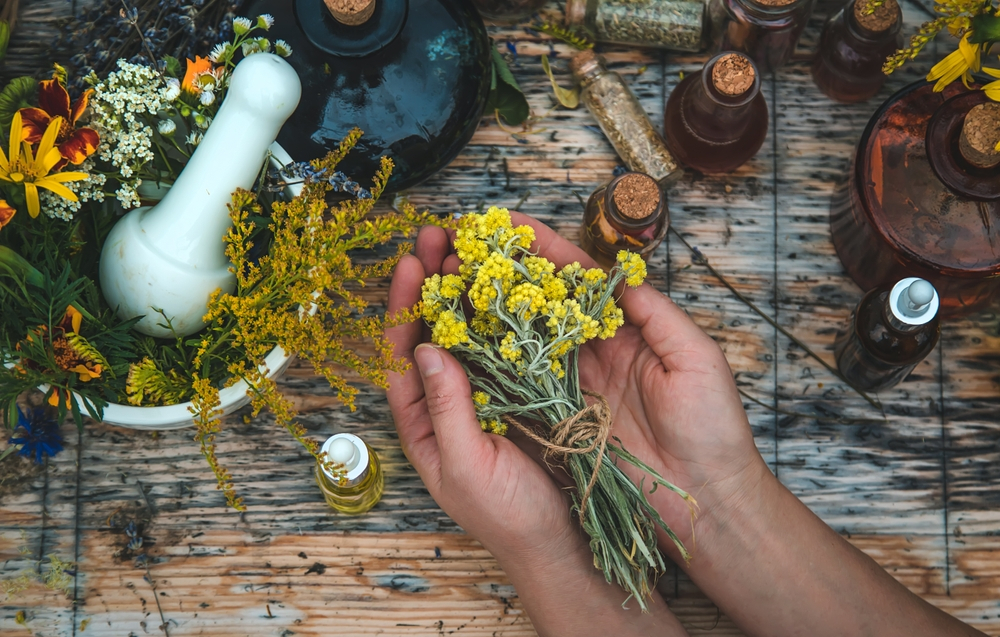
<point>429,360</point>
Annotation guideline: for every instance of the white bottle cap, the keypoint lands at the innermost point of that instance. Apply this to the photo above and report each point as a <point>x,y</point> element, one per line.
<point>347,450</point>
<point>914,301</point>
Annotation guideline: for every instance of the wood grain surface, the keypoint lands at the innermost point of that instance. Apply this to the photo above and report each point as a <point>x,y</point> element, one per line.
<point>919,491</point>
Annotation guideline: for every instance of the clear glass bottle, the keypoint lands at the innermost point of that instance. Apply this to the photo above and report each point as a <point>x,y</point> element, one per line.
<point>677,25</point>
<point>414,75</point>
<point>622,118</point>
<point>717,119</point>
<point>352,482</point>
<point>766,30</point>
<point>893,328</point>
<point>629,213</point>
<point>853,47</point>
<point>919,202</point>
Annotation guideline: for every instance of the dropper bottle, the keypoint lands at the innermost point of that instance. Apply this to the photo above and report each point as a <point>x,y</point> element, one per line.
<point>352,479</point>
<point>891,330</point>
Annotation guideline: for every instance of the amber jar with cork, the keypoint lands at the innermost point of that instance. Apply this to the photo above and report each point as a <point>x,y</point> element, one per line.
<point>853,47</point>
<point>717,119</point>
<point>923,196</point>
<point>891,330</point>
<point>766,30</point>
<point>629,213</point>
<point>350,477</point>
<point>622,118</point>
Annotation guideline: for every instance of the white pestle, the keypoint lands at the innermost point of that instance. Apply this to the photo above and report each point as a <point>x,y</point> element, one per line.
<point>171,256</point>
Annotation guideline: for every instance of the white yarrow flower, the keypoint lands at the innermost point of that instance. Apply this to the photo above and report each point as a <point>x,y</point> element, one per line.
<point>265,21</point>
<point>206,98</point>
<point>194,138</point>
<point>282,48</point>
<point>167,127</point>
<point>242,26</point>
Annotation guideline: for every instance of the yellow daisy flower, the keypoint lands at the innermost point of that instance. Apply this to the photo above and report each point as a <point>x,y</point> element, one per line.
<point>960,63</point>
<point>32,170</point>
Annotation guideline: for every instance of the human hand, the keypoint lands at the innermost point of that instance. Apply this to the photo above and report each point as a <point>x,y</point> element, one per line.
<point>493,489</point>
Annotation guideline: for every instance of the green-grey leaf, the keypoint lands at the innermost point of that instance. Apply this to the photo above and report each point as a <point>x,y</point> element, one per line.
<point>16,95</point>
<point>570,98</point>
<point>506,97</point>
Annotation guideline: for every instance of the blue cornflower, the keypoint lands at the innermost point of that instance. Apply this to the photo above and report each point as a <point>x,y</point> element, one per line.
<point>37,434</point>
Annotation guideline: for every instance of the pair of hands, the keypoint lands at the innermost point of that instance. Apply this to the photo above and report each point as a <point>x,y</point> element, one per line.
<point>669,386</point>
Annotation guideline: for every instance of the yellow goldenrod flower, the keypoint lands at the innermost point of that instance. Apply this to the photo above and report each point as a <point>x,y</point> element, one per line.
<point>960,63</point>
<point>31,170</point>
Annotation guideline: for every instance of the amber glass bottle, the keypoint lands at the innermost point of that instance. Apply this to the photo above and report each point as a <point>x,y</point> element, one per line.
<point>922,198</point>
<point>717,119</point>
<point>893,328</point>
<point>352,483</point>
<point>414,75</point>
<point>629,213</point>
<point>766,30</point>
<point>853,47</point>
<point>622,118</point>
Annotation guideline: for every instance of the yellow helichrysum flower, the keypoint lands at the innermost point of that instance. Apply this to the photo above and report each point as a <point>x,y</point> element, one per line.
<point>553,287</point>
<point>486,324</point>
<point>496,268</point>
<point>431,297</point>
<point>611,319</point>
<point>480,398</point>
<point>594,277</point>
<point>493,427</point>
<point>538,267</point>
<point>526,300</point>
<point>960,63</point>
<point>507,349</point>
<point>30,170</point>
<point>452,286</point>
<point>634,268</point>
<point>448,331</point>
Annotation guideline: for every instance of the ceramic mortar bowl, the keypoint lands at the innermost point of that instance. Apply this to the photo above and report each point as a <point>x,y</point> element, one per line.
<point>232,398</point>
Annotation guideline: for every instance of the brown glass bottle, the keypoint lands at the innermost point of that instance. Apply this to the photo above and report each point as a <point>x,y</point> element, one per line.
<point>629,213</point>
<point>717,119</point>
<point>893,328</point>
<point>914,205</point>
<point>853,47</point>
<point>766,30</point>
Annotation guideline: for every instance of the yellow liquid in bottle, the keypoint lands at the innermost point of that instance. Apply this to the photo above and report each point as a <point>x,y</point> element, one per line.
<point>357,498</point>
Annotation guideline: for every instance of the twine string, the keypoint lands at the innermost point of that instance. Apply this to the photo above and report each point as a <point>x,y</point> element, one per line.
<point>585,431</point>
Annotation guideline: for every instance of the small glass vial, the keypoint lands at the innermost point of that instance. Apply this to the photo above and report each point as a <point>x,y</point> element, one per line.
<point>629,213</point>
<point>853,47</point>
<point>893,328</point>
<point>353,481</point>
<point>676,25</point>
<point>766,30</point>
<point>717,119</point>
<point>622,118</point>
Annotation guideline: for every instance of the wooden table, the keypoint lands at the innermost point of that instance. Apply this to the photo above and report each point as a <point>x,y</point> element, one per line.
<point>918,492</point>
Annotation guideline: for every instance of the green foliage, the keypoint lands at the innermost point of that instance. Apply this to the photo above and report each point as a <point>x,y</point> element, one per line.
<point>19,93</point>
<point>173,66</point>
<point>572,36</point>
<point>506,98</point>
<point>570,98</point>
<point>985,29</point>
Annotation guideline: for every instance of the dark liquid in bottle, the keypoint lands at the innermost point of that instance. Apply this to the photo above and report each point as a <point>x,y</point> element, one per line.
<point>875,354</point>
<point>418,98</point>
<point>894,218</point>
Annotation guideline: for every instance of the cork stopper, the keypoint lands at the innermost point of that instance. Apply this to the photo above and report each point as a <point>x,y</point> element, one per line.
<point>351,12</point>
<point>980,135</point>
<point>879,20</point>
<point>733,74</point>
<point>584,63</point>
<point>636,196</point>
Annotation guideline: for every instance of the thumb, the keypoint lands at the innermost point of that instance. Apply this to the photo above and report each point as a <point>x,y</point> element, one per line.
<point>449,404</point>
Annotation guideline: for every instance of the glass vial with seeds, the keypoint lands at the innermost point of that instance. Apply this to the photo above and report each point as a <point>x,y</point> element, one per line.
<point>507,10</point>
<point>766,30</point>
<point>629,213</point>
<point>853,47</point>
<point>351,478</point>
<point>677,25</point>
<point>893,328</point>
<point>622,118</point>
<point>717,119</point>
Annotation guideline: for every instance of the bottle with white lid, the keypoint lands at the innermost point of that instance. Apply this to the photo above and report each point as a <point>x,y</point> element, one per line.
<point>893,328</point>
<point>351,478</point>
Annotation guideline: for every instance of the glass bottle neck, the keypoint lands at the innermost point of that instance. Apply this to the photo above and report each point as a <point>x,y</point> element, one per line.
<point>945,155</point>
<point>714,116</point>
<point>624,223</point>
<point>771,13</point>
<point>862,36</point>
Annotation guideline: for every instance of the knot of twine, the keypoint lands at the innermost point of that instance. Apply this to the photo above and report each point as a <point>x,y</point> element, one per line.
<point>585,431</point>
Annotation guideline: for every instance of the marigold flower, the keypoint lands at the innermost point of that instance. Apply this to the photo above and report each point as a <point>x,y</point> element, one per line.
<point>6,213</point>
<point>199,74</point>
<point>74,144</point>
